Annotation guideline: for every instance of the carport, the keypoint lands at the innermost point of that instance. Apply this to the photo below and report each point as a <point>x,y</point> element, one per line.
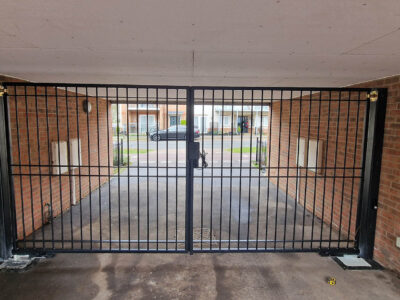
<point>252,139</point>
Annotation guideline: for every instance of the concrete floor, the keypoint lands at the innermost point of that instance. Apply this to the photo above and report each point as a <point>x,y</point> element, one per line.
<point>201,276</point>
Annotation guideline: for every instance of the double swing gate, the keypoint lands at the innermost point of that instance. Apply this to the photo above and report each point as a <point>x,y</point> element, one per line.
<point>123,168</point>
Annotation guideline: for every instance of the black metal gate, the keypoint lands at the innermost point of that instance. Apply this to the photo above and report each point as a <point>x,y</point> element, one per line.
<point>123,168</point>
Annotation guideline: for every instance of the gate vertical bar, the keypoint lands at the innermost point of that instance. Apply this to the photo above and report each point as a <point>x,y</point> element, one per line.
<point>7,221</point>
<point>368,198</point>
<point>189,170</point>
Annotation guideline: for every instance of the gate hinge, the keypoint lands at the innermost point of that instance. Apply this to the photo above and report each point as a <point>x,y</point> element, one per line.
<point>3,90</point>
<point>373,95</point>
<point>17,262</point>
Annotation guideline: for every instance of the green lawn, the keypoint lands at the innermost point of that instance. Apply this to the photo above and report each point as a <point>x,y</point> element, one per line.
<point>244,150</point>
<point>135,151</point>
<point>132,137</point>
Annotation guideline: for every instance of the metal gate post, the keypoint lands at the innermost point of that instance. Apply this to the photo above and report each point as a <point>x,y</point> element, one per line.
<point>6,220</point>
<point>189,170</point>
<point>368,198</point>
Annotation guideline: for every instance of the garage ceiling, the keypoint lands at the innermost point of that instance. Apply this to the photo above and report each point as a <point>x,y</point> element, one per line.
<point>203,42</point>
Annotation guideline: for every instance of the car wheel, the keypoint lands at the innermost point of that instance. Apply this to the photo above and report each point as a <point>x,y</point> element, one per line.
<point>155,137</point>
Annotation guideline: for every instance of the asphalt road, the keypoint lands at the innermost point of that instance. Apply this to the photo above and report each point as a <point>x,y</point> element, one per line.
<point>173,153</point>
<point>209,142</point>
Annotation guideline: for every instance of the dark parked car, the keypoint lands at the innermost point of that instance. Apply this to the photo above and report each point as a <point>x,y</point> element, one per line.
<point>152,130</point>
<point>173,133</point>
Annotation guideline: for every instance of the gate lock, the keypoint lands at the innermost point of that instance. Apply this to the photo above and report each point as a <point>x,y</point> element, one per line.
<point>195,155</point>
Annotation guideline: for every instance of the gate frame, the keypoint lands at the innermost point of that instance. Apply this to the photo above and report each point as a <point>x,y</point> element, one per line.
<point>8,236</point>
<point>190,158</point>
<point>369,187</point>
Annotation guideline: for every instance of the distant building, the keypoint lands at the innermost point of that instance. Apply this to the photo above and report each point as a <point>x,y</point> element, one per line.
<point>232,120</point>
<point>144,117</point>
<point>140,118</point>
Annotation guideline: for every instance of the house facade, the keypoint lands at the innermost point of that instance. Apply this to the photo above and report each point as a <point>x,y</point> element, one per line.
<point>140,118</point>
<point>230,119</point>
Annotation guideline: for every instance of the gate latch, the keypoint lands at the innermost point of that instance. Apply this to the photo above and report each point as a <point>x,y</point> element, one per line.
<point>373,96</point>
<point>194,153</point>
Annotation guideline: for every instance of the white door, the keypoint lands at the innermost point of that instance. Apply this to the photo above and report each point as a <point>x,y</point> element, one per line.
<point>145,120</point>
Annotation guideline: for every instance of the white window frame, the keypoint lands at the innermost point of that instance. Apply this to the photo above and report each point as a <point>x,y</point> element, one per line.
<point>227,124</point>
<point>265,121</point>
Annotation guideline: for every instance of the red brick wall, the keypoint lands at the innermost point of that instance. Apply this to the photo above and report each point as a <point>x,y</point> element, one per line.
<point>311,117</point>
<point>37,191</point>
<point>388,222</point>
